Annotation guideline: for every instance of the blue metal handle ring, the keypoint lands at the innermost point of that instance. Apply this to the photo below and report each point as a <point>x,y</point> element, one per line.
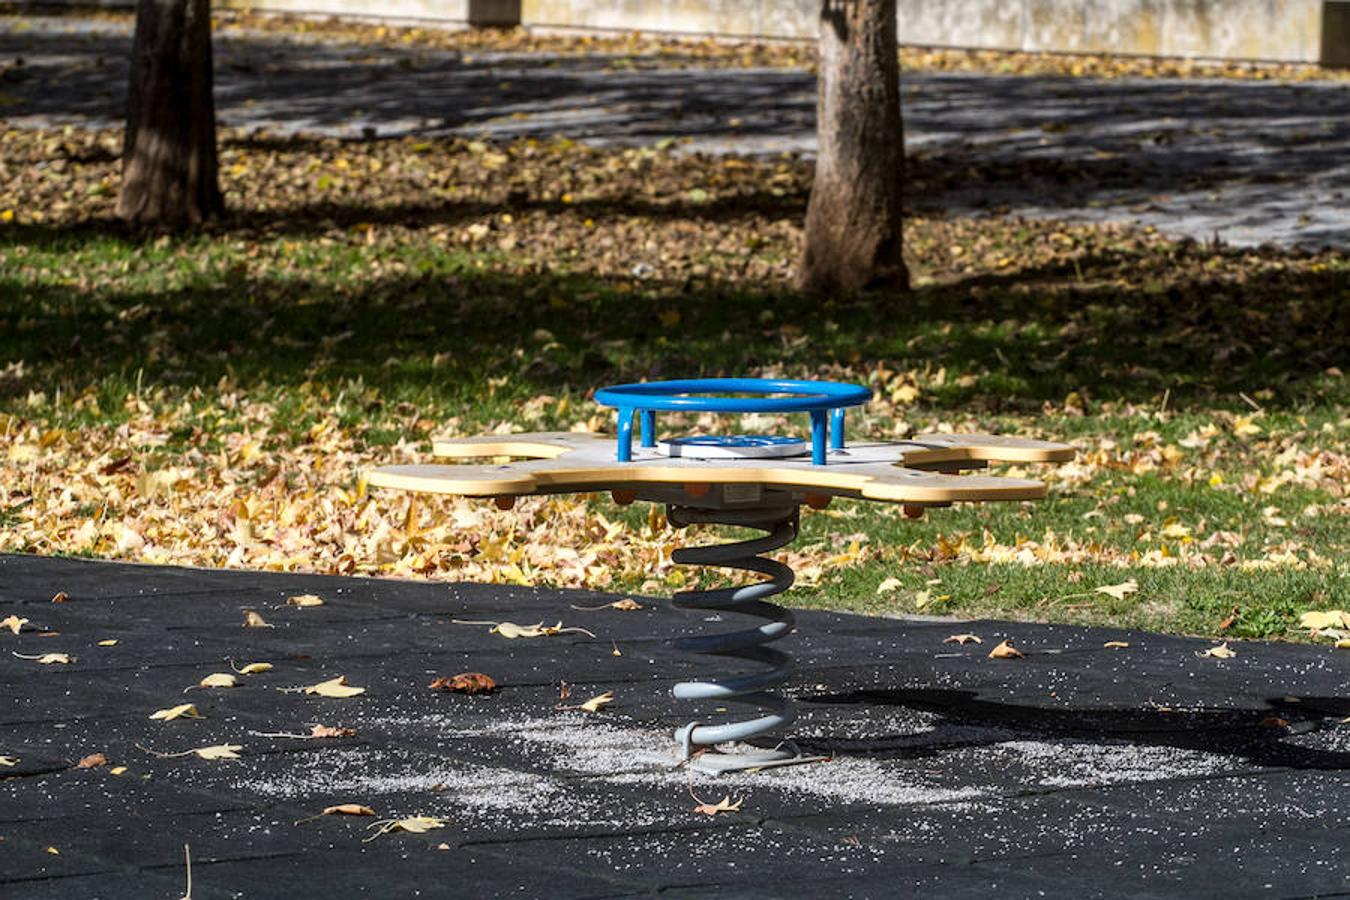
<point>824,400</point>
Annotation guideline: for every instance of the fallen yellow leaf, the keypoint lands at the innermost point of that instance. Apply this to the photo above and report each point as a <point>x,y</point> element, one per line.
<point>48,659</point>
<point>1006,650</point>
<point>412,825</point>
<point>254,668</point>
<point>9,760</point>
<point>334,687</point>
<point>92,761</point>
<point>1343,644</point>
<point>182,711</point>
<point>889,584</point>
<point>963,639</point>
<point>117,770</point>
<point>1118,591</point>
<point>596,703</point>
<point>305,600</point>
<point>110,642</point>
<point>219,680</point>
<point>53,851</point>
<point>1223,651</point>
<point>721,806</point>
<point>1317,621</point>
<point>219,751</point>
<point>1116,645</point>
<point>253,620</point>
<point>13,623</point>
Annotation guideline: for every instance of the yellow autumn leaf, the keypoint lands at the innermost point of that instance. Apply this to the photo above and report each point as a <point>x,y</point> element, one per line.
<point>721,806</point>
<point>596,703</point>
<point>182,711</point>
<point>334,687</point>
<point>511,631</point>
<point>1223,651</point>
<point>1118,591</point>
<point>305,600</point>
<point>888,585</point>
<point>963,639</point>
<point>1318,621</point>
<point>9,760</point>
<point>117,770</point>
<point>1006,650</point>
<point>219,680</point>
<point>1343,644</point>
<point>219,751</point>
<point>110,642</point>
<point>1116,645</point>
<point>48,659</point>
<point>254,668</point>
<point>412,825</point>
<point>253,620</point>
<point>13,623</point>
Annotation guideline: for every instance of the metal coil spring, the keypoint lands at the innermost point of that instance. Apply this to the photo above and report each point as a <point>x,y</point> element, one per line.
<point>752,689</point>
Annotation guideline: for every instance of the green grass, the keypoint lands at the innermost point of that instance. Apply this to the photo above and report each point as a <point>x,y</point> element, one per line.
<point>1117,340</point>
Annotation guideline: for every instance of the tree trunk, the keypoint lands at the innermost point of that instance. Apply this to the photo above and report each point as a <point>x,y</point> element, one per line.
<point>853,228</point>
<point>169,151</point>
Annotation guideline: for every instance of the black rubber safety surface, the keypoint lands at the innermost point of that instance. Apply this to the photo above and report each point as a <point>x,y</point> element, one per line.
<point>1077,771</point>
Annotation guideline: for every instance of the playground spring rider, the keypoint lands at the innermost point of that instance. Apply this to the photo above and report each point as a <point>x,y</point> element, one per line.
<point>750,480</point>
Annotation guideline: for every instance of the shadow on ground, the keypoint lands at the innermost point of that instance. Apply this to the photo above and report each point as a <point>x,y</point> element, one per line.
<point>1258,736</point>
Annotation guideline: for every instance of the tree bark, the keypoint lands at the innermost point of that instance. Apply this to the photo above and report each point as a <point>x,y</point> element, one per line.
<point>169,150</point>
<point>853,227</point>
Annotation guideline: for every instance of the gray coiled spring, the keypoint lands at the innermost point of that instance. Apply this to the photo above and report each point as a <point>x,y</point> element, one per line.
<point>752,689</point>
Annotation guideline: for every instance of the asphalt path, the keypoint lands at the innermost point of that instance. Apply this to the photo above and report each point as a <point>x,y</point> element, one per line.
<point>1241,162</point>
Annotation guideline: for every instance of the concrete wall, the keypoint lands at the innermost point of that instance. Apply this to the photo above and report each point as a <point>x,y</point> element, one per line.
<point>1306,31</point>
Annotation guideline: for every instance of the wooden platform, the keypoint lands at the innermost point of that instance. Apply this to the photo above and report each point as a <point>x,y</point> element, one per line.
<point>924,470</point>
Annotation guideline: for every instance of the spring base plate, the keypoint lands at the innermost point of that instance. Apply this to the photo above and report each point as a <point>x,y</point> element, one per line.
<point>745,758</point>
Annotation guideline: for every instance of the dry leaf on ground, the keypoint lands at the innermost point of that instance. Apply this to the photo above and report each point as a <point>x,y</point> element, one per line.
<point>253,620</point>
<point>1118,591</point>
<point>465,683</point>
<point>1116,645</point>
<point>60,597</point>
<point>13,623</point>
<point>341,809</point>
<point>625,605</point>
<point>219,680</point>
<point>1223,651</point>
<point>889,584</point>
<point>412,825</point>
<point>48,659</point>
<point>1006,650</point>
<point>92,761</point>
<point>110,642</point>
<point>219,751</point>
<point>9,760</point>
<point>963,639</point>
<point>334,687</point>
<point>255,668</point>
<point>331,731</point>
<point>724,805</point>
<point>1319,621</point>
<point>182,711</point>
<point>305,600</point>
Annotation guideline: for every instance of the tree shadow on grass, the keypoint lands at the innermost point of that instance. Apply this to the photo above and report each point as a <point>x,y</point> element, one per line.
<point>1254,735</point>
<point>446,326</point>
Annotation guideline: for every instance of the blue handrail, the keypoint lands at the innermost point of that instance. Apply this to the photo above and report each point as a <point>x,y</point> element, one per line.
<point>824,400</point>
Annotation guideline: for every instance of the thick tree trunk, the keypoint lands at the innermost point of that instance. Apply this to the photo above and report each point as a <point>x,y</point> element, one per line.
<point>853,229</point>
<point>169,152</point>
